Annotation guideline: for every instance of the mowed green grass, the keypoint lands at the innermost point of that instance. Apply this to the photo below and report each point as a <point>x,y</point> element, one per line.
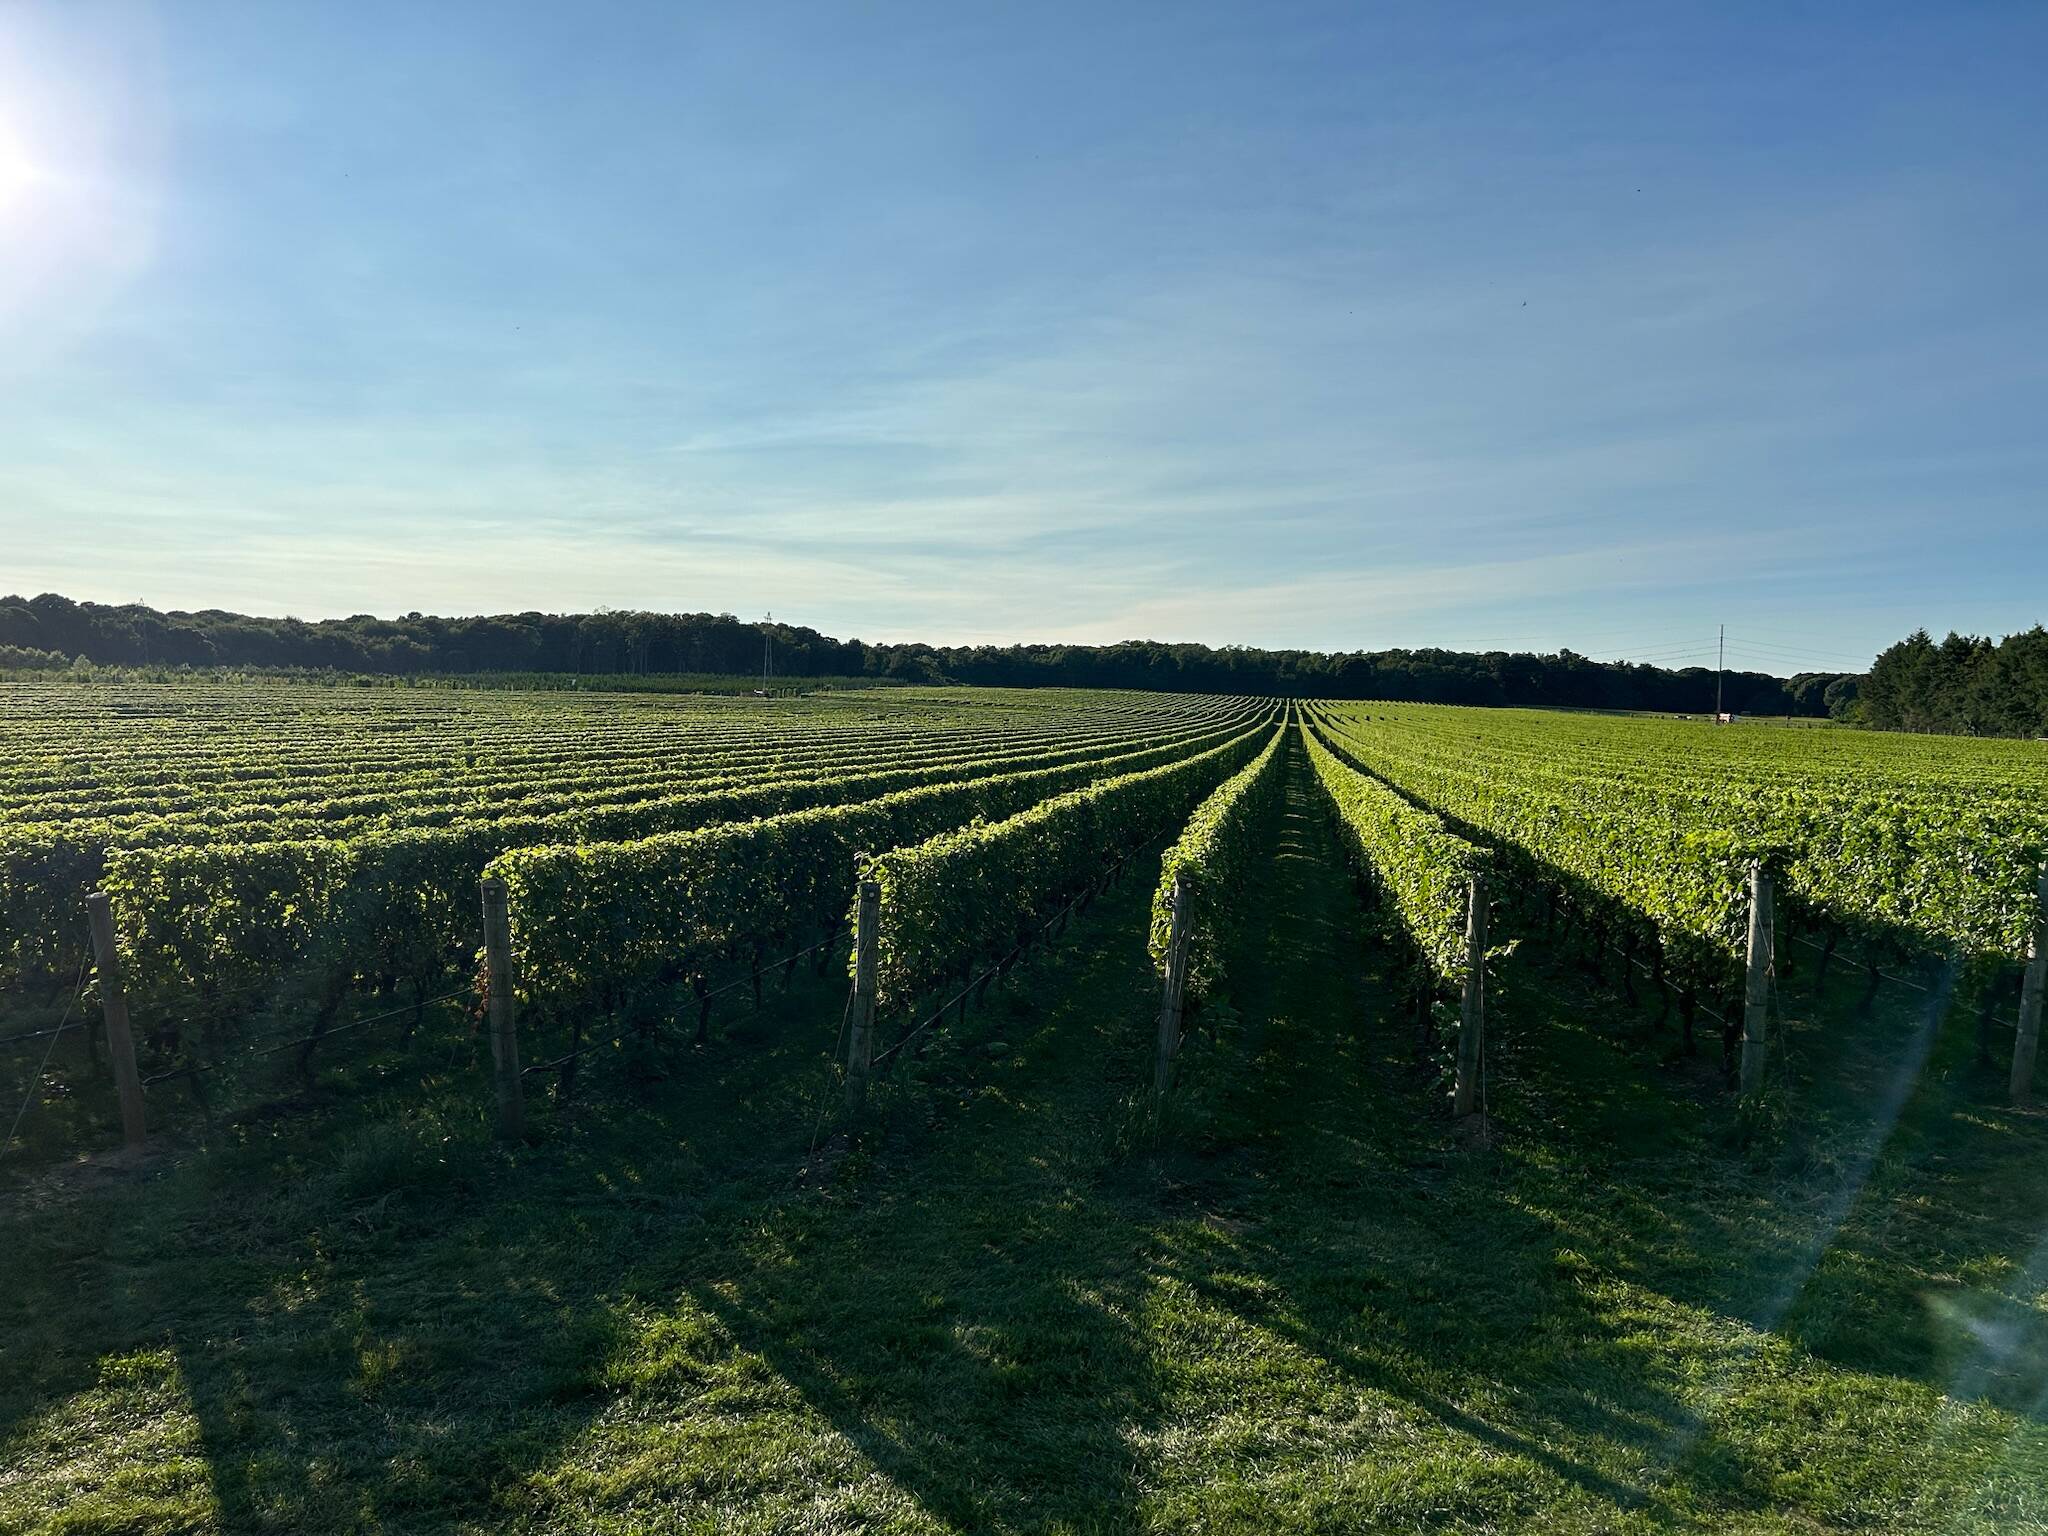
<point>998,1306</point>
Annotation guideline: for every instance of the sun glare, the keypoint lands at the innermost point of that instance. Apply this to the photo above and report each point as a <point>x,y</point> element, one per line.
<point>17,171</point>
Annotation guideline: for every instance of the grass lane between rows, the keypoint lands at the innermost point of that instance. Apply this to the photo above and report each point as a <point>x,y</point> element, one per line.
<point>1317,1307</point>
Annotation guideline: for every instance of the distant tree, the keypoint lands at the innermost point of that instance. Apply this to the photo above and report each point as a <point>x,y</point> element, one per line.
<point>1964,683</point>
<point>1843,699</point>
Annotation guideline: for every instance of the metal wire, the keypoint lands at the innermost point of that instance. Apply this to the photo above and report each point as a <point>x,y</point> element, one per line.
<point>30,1036</point>
<point>1664,981</point>
<point>35,1083</point>
<point>737,982</point>
<point>846,1013</point>
<point>194,1069</point>
<point>1087,891</point>
<point>941,1011</point>
<point>832,1075</point>
<point>1903,981</point>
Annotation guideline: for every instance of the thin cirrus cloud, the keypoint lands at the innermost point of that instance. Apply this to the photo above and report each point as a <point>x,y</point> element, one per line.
<point>1335,330</point>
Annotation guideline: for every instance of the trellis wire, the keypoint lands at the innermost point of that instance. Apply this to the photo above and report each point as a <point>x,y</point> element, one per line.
<point>194,1069</point>
<point>1666,982</point>
<point>1882,975</point>
<point>1011,958</point>
<point>35,1083</point>
<point>1904,981</point>
<point>731,986</point>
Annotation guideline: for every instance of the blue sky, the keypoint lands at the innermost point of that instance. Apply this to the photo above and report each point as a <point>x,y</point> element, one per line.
<point>1339,326</point>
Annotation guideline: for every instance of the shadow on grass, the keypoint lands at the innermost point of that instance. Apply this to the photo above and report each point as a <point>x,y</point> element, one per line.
<point>1549,1293</point>
<point>1426,1290</point>
<point>1884,1209</point>
<point>1893,1211</point>
<point>402,1326</point>
<point>976,1313</point>
<point>372,1316</point>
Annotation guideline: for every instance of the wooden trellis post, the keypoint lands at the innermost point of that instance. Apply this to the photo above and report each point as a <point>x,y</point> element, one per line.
<point>503,1010</point>
<point>1173,993</point>
<point>114,1005</point>
<point>1756,1004</point>
<point>1472,1010</point>
<point>2028,1041</point>
<point>860,1037</point>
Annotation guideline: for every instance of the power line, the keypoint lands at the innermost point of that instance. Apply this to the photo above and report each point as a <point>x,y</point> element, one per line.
<point>1661,656</point>
<point>1767,648</point>
<point>1773,645</point>
<point>1583,646</point>
<point>1579,635</point>
<point>1790,634</point>
<point>1779,666</point>
<point>1720,671</point>
<point>1656,648</point>
<point>1790,650</point>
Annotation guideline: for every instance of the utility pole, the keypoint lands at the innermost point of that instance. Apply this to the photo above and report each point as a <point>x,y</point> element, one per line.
<point>767,640</point>
<point>1720,671</point>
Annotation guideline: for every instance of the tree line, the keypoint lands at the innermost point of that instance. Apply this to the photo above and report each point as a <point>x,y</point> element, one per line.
<point>1960,685</point>
<point>1964,685</point>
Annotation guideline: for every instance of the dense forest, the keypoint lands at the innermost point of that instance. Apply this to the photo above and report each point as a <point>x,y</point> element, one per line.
<point>1964,685</point>
<point>1960,685</point>
<point>53,631</point>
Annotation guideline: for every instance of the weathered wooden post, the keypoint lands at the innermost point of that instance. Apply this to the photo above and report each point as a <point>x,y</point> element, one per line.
<point>1173,991</point>
<point>114,1005</point>
<point>1756,1004</point>
<point>2028,1042</point>
<point>503,1009</point>
<point>860,1038</point>
<point>1472,1012</point>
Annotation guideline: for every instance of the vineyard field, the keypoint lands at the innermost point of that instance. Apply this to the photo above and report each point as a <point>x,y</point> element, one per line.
<point>941,1109</point>
<point>1915,843</point>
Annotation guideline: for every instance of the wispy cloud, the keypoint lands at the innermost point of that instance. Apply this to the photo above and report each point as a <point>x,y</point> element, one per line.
<point>1342,337</point>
